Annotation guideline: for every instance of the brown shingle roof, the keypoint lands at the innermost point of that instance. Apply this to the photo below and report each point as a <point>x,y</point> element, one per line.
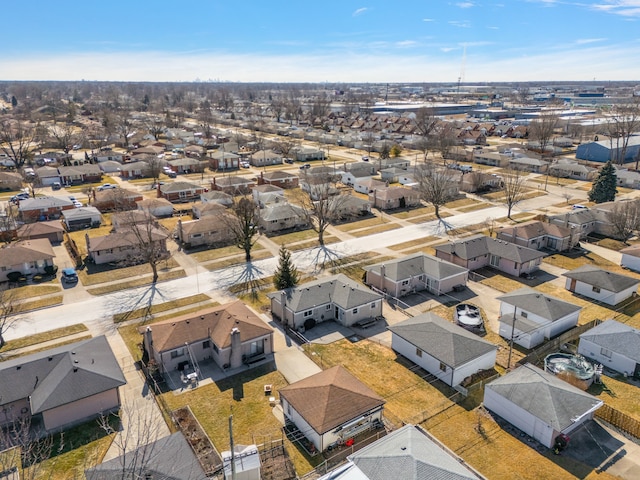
<point>26,251</point>
<point>215,323</point>
<point>330,398</point>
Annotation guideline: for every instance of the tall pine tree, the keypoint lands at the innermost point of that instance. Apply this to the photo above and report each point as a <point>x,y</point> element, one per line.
<point>604,186</point>
<point>286,275</point>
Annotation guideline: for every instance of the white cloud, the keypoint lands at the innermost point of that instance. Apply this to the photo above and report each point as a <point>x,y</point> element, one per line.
<point>465,5</point>
<point>359,12</point>
<point>428,20</point>
<point>460,23</point>
<point>406,43</point>
<point>493,28</point>
<point>586,41</point>
<point>624,8</point>
<point>342,66</point>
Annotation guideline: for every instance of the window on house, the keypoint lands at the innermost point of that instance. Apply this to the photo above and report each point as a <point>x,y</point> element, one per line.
<point>215,348</point>
<point>355,310</point>
<point>605,352</point>
<point>418,352</point>
<point>595,289</point>
<point>443,367</point>
<point>328,307</point>
<point>524,314</point>
<point>308,313</point>
<point>179,352</point>
<point>206,344</point>
<point>196,235</point>
<point>405,282</point>
<point>373,305</point>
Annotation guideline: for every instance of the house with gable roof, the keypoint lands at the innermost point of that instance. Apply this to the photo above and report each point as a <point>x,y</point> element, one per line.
<point>601,285</point>
<point>529,317</point>
<point>412,273</point>
<point>540,235</point>
<point>479,251</point>
<point>29,257</point>
<point>278,178</point>
<point>333,298</point>
<point>230,335</point>
<point>409,452</point>
<point>447,351</point>
<point>61,386</point>
<point>614,345</point>
<point>540,404</point>
<point>331,406</point>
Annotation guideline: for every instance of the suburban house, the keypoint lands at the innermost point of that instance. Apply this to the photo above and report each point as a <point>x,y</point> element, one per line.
<point>392,162</point>
<point>409,452</point>
<point>231,335</point>
<point>447,351</point>
<point>187,165</point>
<point>566,169</point>
<point>477,182</point>
<point>304,154</point>
<point>29,257</point>
<point>491,158</point>
<point>390,198</point>
<point>331,406</point>
<point>392,174</point>
<point>43,208</point>
<point>232,185</point>
<point>126,245</point>
<point>202,209</point>
<point>540,404</point>
<point>282,216</point>
<point>10,181</point>
<point>586,220</point>
<point>87,173</point>
<point>540,235</point>
<point>47,176</point>
<point>125,220</point>
<point>110,167</point>
<point>209,230</point>
<point>479,251</point>
<point>216,196</point>
<point>116,199</point>
<point>80,218</point>
<point>158,207</point>
<point>631,258</point>
<point>278,178</point>
<point>108,156</point>
<point>264,194</point>
<point>614,345</point>
<point>355,172</point>
<point>61,387</point>
<point>166,458</point>
<point>180,192</point>
<point>367,185</point>
<point>528,164</point>
<point>601,285</point>
<point>404,276</point>
<point>332,298</point>
<point>222,160</point>
<point>262,158</point>
<point>138,169</point>
<point>627,178</point>
<point>528,317</point>
<point>345,207</point>
<point>52,231</point>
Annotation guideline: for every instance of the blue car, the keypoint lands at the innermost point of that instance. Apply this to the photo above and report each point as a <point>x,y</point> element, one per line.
<point>69,275</point>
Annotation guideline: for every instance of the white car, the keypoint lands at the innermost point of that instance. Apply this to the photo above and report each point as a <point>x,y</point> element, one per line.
<point>77,204</point>
<point>106,186</point>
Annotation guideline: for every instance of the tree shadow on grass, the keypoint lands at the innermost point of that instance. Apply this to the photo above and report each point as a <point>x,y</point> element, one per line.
<point>136,306</point>
<point>237,382</point>
<point>247,279</point>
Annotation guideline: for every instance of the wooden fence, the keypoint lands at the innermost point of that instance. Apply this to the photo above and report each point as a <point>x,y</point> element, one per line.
<point>619,420</point>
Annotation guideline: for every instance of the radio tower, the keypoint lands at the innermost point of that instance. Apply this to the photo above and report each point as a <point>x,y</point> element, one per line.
<point>462,65</point>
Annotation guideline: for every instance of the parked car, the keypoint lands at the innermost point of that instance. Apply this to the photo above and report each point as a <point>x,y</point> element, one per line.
<point>245,164</point>
<point>69,275</point>
<point>77,204</point>
<point>305,166</point>
<point>365,158</point>
<point>20,196</point>
<point>577,206</point>
<point>288,160</point>
<point>56,186</point>
<point>106,186</point>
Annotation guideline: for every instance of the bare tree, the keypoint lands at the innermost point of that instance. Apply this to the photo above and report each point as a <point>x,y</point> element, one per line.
<point>624,122</point>
<point>425,122</point>
<point>29,449</point>
<point>65,136</point>
<point>8,223</point>
<point>278,108</point>
<point>436,185</point>
<point>445,139</point>
<point>625,219</point>
<point>244,225</point>
<point>17,141</point>
<point>542,130</point>
<point>286,146</point>
<point>513,188</point>
<point>320,201</point>
<point>9,313</point>
<point>154,168</point>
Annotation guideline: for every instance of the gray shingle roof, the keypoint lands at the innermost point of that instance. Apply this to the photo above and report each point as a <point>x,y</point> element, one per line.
<point>546,306</point>
<point>544,395</point>
<point>480,245</point>
<point>418,264</point>
<point>170,458</point>
<point>408,454</point>
<point>61,375</point>
<point>617,337</point>
<point>612,282</point>
<point>338,289</point>
<point>448,343</point>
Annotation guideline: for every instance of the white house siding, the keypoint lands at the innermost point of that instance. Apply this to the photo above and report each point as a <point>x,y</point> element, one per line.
<point>363,312</point>
<point>608,358</point>
<point>308,431</point>
<point>426,361</point>
<point>604,296</point>
<point>416,283</point>
<point>630,262</point>
<point>547,329</point>
<point>81,410</point>
<point>325,312</point>
<point>29,268</point>
<point>526,340</point>
<point>520,418</point>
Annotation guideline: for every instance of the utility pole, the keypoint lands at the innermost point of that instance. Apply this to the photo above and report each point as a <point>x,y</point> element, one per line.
<point>513,328</point>
<point>233,454</point>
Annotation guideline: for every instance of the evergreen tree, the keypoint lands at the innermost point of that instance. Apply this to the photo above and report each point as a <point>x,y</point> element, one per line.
<point>604,186</point>
<point>286,275</point>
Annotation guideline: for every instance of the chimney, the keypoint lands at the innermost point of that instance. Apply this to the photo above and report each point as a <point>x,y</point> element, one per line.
<point>235,359</point>
<point>147,339</point>
<point>180,229</point>
<point>86,239</point>
<point>514,236</point>
<point>158,192</point>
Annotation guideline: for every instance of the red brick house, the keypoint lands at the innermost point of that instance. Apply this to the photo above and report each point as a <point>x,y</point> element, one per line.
<point>278,178</point>
<point>179,192</point>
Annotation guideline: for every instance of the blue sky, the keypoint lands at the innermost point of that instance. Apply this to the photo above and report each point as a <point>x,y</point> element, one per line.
<point>316,41</point>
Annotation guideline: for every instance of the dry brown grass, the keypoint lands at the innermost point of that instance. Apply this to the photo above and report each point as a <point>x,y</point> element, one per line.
<point>260,254</point>
<point>113,274</point>
<point>362,224</point>
<point>570,263</point>
<point>41,337</point>
<point>462,202</point>
<point>161,307</point>
<point>373,230</point>
<point>137,282</point>
<point>203,256</point>
<point>416,212</point>
<point>294,237</point>
<point>414,243</point>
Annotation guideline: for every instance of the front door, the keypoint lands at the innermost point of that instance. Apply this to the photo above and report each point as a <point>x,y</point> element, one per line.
<point>636,373</point>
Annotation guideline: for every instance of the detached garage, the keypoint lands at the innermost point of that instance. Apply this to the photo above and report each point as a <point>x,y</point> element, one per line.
<point>83,217</point>
<point>539,403</point>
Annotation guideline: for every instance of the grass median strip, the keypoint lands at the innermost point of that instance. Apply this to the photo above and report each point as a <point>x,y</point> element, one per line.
<point>49,335</point>
<point>113,274</point>
<point>139,282</point>
<point>161,307</point>
<point>23,307</point>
